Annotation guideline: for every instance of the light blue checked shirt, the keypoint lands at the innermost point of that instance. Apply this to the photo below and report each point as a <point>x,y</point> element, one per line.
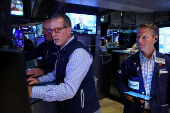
<point>147,67</point>
<point>79,63</point>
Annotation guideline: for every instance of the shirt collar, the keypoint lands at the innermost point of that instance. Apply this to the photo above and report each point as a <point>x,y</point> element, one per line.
<point>141,56</point>
<point>68,42</point>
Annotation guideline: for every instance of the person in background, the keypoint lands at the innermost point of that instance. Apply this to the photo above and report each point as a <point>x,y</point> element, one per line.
<point>47,50</point>
<point>81,24</point>
<point>75,90</point>
<point>146,72</point>
<point>28,45</point>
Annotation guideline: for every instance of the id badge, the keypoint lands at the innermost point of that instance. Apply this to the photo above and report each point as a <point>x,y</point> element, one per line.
<point>133,84</point>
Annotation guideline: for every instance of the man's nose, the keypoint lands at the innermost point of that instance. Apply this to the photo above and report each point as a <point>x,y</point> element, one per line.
<point>139,39</point>
<point>53,34</point>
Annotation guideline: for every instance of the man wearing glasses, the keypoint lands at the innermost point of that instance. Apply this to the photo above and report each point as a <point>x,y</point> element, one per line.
<point>47,50</point>
<point>75,88</point>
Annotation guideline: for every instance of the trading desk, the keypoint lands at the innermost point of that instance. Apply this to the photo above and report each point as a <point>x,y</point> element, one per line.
<point>40,106</point>
<point>33,100</point>
<point>118,56</point>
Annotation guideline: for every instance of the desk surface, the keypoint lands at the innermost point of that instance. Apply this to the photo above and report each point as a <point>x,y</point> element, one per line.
<point>117,48</point>
<point>124,51</point>
<point>33,100</point>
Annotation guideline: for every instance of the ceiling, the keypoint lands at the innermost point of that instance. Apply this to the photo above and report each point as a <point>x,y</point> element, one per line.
<point>42,8</point>
<point>126,5</point>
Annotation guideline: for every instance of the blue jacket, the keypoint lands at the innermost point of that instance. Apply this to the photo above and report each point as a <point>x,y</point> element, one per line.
<point>160,85</point>
<point>85,100</point>
<point>48,51</point>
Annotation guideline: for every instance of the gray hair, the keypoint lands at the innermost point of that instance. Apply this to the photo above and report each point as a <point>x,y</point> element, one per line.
<point>66,19</point>
<point>153,28</point>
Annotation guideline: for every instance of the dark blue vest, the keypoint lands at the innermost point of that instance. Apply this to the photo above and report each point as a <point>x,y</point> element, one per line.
<point>77,104</point>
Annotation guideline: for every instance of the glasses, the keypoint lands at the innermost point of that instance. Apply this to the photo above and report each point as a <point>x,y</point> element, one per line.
<point>56,30</point>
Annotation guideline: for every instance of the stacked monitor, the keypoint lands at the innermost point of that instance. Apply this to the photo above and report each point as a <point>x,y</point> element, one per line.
<point>164,40</point>
<point>39,29</point>
<point>113,32</point>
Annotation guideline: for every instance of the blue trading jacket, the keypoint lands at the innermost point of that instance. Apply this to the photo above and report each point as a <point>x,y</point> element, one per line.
<point>160,85</point>
<point>48,51</point>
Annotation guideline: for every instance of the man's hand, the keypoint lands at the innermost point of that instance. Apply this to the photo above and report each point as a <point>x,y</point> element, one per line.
<point>142,101</point>
<point>131,99</point>
<point>29,90</point>
<point>32,81</point>
<point>35,72</point>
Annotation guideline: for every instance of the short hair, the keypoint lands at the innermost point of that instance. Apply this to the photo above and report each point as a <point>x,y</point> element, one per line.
<point>81,16</point>
<point>153,28</point>
<point>66,19</point>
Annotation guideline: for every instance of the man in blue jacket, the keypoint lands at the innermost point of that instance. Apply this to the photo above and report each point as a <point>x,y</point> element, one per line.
<point>47,50</point>
<point>145,72</point>
<point>75,88</point>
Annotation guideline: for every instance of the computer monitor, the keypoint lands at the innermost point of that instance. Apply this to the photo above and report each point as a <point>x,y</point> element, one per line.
<point>39,29</point>
<point>17,8</point>
<point>164,40</point>
<point>14,94</point>
<point>103,50</point>
<point>83,23</point>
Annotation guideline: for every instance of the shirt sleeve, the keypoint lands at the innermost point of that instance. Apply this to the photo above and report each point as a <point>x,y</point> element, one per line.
<point>48,78</point>
<point>79,63</point>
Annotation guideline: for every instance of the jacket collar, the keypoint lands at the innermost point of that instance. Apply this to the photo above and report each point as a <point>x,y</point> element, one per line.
<point>69,44</point>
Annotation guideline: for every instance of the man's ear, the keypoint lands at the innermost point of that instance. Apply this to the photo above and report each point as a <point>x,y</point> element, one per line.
<point>69,30</point>
<point>156,38</point>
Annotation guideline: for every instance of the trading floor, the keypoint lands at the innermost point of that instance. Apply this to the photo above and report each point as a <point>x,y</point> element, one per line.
<point>110,106</point>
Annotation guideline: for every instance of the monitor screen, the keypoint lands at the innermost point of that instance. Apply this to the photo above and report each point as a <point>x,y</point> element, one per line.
<point>82,23</point>
<point>27,28</point>
<point>102,19</point>
<point>124,31</point>
<point>108,32</point>
<point>102,37</point>
<point>40,40</point>
<point>116,38</point>
<point>34,29</point>
<point>19,34</point>
<point>39,29</point>
<point>164,40</point>
<point>17,7</point>
<point>133,31</point>
<point>19,43</point>
<point>103,48</point>
<point>115,32</point>
<point>13,31</point>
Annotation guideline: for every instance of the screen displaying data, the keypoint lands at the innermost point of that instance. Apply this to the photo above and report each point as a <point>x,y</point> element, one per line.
<point>164,40</point>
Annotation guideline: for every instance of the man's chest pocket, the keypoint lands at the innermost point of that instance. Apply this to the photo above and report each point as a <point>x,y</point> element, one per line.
<point>163,81</point>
